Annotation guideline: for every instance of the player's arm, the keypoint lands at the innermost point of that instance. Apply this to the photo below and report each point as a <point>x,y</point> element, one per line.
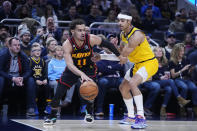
<point>96,40</point>
<point>133,42</point>
<point>67,56</point>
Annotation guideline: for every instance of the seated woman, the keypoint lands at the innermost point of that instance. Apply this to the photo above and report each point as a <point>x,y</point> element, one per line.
<point>163,78</point>
<point>180,69</point>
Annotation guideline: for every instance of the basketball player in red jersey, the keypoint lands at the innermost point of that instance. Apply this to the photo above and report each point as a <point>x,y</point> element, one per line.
<point>77,54</point>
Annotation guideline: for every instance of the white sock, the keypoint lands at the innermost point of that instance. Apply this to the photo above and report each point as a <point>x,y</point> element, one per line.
<point>139,104</point>
<point>130,107</point>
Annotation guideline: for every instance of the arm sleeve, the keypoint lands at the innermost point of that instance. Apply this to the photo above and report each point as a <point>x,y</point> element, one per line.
<point>110,46</point>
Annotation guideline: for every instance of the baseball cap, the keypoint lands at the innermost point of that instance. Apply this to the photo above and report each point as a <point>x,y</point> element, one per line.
<point>177,14</point>
<point>168,34</point>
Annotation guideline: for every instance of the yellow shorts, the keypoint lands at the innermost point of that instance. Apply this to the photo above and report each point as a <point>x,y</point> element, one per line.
<point>145,69</point>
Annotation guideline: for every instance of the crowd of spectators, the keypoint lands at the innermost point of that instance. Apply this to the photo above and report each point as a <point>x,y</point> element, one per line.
<point>173,31</point>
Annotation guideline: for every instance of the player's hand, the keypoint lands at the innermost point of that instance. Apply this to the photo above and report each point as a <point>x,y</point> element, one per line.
<point>123,60</point>
<point>84,78</point>
<point>44,82</point>
<point>38,82</point>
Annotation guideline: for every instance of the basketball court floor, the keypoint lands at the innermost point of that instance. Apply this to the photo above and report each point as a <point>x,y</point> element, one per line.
<point>107,124</point>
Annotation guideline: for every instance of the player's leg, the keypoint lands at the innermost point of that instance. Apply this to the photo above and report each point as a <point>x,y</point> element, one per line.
<point>66,82</point>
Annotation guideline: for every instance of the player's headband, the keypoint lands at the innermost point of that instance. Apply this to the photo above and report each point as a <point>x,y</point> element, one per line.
<point>123,16</point>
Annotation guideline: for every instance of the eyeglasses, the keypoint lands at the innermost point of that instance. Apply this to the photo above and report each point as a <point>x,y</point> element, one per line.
<point>38,50</point>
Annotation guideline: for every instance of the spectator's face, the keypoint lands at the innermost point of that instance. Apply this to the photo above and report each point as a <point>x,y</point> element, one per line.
<point>26,38</point>
<point>15,46</point>
<point>94,9</point>
<point>52,46</point>
<point>188,38</point>
<point>158,52</point>
<point>50,24</point>
<point>79,32</point>
<point>112,15</point>
<point>59,53</point>
<point>3,33</point>
<point>149,13</point>
<point>40,31</point>
<point>65,35</point>
<point>72,11</point>
<point>36,51</point>
<point>171,40</point>
<point>7,8</point>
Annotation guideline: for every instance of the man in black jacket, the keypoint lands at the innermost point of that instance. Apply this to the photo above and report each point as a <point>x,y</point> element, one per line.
<point>15,72</point>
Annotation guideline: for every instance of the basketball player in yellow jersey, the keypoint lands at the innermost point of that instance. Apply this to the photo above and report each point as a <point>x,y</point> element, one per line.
<point>138,51</point>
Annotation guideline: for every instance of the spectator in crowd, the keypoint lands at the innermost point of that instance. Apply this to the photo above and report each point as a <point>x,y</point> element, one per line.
<point>65,36</point>
<point>6,10</point>
<point>192,55</point>
<point>136,20</point>
<point>39,73</point>
<point>177,25</point>
<point>49,12</point>
<point>52,29</point>
<point>155,9</point>
<point>15,72</point>
<point>114,6</point>
<point>94,15</point>
<point>23,12</point>
<point>163,79</point>
<point>183,15</point>
<point>124,4</point>
<point>51,43</point>
<point>25,37</point>
<point>4,33</point>
<point>166,11</point>
<point>22,26</point>
<point>71,14</point>
<point>188,42</point>
<point>170,38</point>
<point>29,4</point>
<point>149,23</point>
<point>180,70</point>
<point>191,21</point>
<point>105,5</point>
<point>39,9</point>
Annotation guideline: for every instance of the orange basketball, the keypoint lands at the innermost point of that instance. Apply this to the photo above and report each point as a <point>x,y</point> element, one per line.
<point>88,90</point>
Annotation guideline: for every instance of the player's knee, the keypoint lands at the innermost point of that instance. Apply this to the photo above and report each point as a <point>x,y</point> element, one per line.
<point>132,84</point>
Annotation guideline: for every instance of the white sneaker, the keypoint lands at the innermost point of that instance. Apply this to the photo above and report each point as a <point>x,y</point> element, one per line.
<point>89,119</point>
<point>50,121</point>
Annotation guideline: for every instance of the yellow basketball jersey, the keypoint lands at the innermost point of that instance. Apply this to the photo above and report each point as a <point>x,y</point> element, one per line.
<point>142,52</point>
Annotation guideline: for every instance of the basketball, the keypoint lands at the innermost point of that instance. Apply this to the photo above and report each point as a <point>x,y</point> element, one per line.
<point>88,90</point>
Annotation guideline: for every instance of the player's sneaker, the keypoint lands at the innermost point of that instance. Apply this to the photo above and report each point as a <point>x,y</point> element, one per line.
<point>128,121</point>
<point>140,122</point>
<point>89,119</point>
<point>50,121</point>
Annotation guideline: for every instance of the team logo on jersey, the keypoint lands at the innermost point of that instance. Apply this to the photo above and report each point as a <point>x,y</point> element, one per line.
<point>86,47</point>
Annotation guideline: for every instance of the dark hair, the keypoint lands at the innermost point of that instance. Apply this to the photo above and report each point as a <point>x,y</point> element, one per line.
<point>125,12</point>
<point>11,39</point>
<point>76,22</point>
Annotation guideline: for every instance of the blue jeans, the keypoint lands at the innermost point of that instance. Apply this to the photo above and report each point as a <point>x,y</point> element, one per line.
<point>104,83</point>
<point>168,86</point>
<point>185,86</point>
<point>29,86</point>
<point>153,88</point>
